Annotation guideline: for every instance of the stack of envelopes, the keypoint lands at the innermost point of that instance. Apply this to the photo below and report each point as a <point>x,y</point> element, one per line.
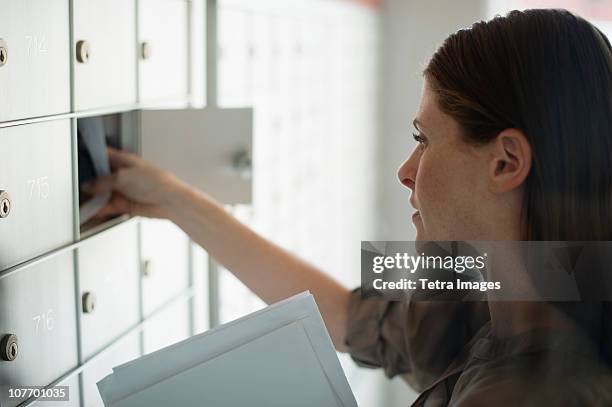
<point>279,356</point>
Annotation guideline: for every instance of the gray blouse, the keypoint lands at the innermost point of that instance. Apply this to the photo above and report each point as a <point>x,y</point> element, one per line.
<point>446,351</point>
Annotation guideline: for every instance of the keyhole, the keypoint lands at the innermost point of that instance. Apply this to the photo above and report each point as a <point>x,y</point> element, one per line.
<point>13,351</point>
<point>2,55</point>
<point>5,207</point>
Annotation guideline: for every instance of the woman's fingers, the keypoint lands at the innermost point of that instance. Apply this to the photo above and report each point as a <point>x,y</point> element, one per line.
<point>117,205</point>
<point>121,159</point>
<point>100,185</point>
<point>121,205</point>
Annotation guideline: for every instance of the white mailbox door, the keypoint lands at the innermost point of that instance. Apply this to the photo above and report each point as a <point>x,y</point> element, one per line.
<point>104,50</point>
<point>34,58</point>
<point>208,148</point>
<point>163,34</point>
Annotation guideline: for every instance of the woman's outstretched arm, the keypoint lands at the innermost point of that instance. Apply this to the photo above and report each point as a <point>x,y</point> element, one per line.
<point>267,269</point>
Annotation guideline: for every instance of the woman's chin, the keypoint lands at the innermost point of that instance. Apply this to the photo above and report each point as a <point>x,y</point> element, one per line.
<point>420,236</point>
<point>418,225</point>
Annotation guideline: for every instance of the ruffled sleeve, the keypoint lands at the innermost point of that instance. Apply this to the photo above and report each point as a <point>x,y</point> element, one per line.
<point>416,339</point>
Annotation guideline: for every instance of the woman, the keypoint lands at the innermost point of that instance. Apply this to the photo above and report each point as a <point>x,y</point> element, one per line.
<point>515,143</point>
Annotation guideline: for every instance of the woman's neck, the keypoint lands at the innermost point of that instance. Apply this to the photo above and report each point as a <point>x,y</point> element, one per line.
<point>517,307</point>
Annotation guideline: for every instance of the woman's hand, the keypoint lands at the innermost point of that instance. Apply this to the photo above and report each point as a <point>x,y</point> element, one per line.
<point>139,187</point>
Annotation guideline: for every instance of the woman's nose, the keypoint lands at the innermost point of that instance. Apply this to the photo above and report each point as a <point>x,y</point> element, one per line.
<point>408,170</point>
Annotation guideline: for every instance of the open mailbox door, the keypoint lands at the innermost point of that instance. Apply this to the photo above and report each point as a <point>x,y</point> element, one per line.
<point>208,148</point>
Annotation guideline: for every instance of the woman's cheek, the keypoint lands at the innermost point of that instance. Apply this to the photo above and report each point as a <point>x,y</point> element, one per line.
<point>427,179</point>
<point>431,189</point>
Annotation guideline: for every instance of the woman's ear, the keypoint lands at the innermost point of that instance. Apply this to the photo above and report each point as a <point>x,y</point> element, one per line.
<point>510,161</point>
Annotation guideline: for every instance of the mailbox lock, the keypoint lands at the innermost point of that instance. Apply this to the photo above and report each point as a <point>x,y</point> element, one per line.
<point>5,204</point>
<point>147,268</point>
<point>145,50</point>
<point>3,52</point>
<point>242,164</point>
<point>9,347</point>
<point>89,302</point>
<point>82,51</point>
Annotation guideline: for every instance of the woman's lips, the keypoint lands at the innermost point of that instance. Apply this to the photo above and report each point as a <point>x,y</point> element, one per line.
<point>416,216</point>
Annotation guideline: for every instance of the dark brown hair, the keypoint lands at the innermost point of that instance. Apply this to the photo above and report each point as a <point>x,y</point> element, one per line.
<point>548,73</point>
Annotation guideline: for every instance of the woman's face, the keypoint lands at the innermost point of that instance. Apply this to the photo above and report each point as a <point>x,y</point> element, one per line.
<point>447,177</point>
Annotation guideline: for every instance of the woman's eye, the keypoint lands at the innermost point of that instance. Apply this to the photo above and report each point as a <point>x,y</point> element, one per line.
<point>419,138</point>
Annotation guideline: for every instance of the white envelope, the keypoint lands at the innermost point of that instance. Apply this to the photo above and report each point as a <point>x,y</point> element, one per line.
<point>281,355</point>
